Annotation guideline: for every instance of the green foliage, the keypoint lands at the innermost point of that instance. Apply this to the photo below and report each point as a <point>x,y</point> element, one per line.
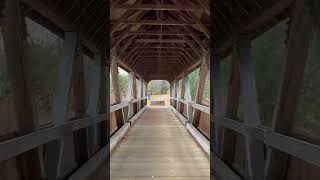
<point>308,114</point>
<point>5,89</point>
<point>156,87</point>
<point>268,53</point>
<point>194,81</point>
<point>123,81</point>
<point>42,65</point>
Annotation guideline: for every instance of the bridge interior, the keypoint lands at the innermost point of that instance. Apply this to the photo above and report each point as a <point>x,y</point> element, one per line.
<point>83,127</point>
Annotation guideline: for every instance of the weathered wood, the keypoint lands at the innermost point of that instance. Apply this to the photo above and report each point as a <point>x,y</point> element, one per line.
<point>116,90</point>
<point>104,103</point>
<point>129,94</point>
<point>159,7</point>
<point>229,136</point>
<point>254,148</point>
<point>13,29</point>
<point>200,89</point>
<point>144,145</point>
<point>54,149</point>
<point>94,79</point>
<point>79,98</point>
<point>298,45</point>
<point>151,22</point>
<point>182,92</point>
<point>218,104</point>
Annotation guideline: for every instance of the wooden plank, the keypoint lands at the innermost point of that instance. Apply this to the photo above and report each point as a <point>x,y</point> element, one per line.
<point>158,7</point>
<point>182,92</point>
<point>94,79</point>
<point>199,137</point>
<point>141,153</point>
<point>54,149</point>
<point>79,94</point>
<point>116,91</point>
<point>104,104</point>
<point>200,88</point>
<point>16,146</point>
<point>129,95</point>
<point>254,148</point>
<point>298,45</point>
<point>218,105</point>
<point>13,29</point>
<point>229,136</point>
<point>152,22</point>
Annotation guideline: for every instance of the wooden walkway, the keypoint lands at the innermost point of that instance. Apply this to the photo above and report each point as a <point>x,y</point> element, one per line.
<point>159,147</point>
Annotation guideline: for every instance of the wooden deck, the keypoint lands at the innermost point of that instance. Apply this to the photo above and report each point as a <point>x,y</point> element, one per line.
<point>159,147</point>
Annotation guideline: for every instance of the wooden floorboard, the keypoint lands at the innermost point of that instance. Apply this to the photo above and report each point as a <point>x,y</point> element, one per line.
<point>158,147</point>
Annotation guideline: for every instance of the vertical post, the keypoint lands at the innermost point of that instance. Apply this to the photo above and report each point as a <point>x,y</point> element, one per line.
<point>178,95</point>
<point>134,93</point>
<point>94,79</point>
<point>146,91</point>
<point>129,95</point>
<point>116,90</point>
<point>218,103</point>
<point>54,149</point>
<point>104,101</point>
<point>14,42</point>
<point>182,93</point>
<point>300,34</point>
<point>229,136</point>
<point>200,88</point>
<point>141,94</point>
<point>188,98</point>
<point>254,148</point>
<point>79,94</point>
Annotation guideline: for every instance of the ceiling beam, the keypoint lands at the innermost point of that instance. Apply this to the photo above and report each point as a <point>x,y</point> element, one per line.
<point>159,7</point>
<point>156,23</point>
<point>145,33</point>
<point>160,41</point>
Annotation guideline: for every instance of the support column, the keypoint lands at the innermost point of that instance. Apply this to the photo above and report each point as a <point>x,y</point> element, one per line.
<point>79,93</point>
<point>14,42</point>
<point>129,95</point>
<point>300,34</point>
<point>104,102</point>
<point>116,90</point>
<point>200,88</point>
<point>54,149</point>
<point>94,79</point>
<point>182,93</point>
<point>134,93</point>
<point>229,136</point>
<point>218,105</point>
<point>254,148</point>
<point>189,100</point>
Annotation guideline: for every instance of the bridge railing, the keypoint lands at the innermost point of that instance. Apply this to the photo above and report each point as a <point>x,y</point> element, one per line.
<point>16,146</point>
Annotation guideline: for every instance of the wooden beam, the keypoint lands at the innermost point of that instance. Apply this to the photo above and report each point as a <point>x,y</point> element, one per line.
<point>200,89</point>
<point>79,98</point>
<point>300,34</point>
<point>229,136</point>
<point>157,23</point>
<point>151,33</point>
<point>94,79</point>
<point>218,103</point>
<point>254,148</point>
<point>13,30</point>
<point>54,149</point>
<point>160,41</point>
<point>158,7</point>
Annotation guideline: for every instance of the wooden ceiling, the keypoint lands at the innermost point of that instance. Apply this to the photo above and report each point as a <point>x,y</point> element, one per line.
<point>159,39</point>
<point>162,39</point>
